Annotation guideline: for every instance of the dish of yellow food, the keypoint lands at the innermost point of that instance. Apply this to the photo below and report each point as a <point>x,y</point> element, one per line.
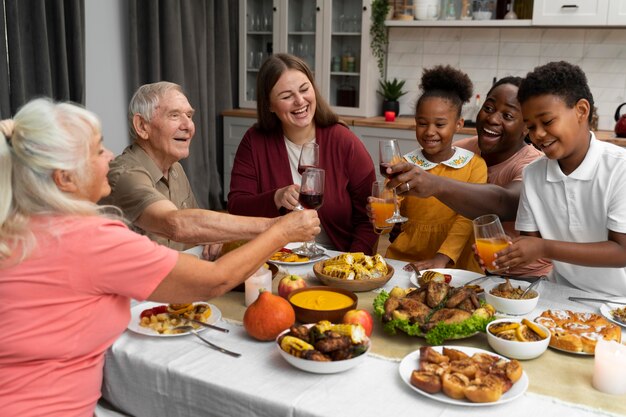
<point>321,300</point>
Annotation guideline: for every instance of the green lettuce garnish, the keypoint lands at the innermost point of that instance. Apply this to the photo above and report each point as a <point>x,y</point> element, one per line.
<point>438,334</point>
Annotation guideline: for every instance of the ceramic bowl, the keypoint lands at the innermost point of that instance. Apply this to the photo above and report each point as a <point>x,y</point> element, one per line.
<point>321,367</point>
<point>312,315</point>
<point>482,15</point>
<point>511,306</point>
<point>515,349</point>
<point>351,285</point>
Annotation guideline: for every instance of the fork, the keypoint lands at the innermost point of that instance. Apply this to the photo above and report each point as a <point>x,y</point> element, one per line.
<point>211,344</point>
<point>475,280</point>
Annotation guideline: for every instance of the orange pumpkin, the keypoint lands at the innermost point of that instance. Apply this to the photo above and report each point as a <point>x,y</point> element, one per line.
<point>268,316</point>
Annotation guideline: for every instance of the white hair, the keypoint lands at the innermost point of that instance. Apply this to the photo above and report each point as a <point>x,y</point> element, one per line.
<point>46,137</point>
<point>145,101</point>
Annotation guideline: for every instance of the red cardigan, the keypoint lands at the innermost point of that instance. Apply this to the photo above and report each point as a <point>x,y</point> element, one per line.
<point>261,167</point>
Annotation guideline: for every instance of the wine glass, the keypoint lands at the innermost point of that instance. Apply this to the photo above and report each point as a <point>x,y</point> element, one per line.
<point>309,157</point>
<point>388,155</point>
<point>490,238</point>
<point>311,197</point>
<point>382,207</point>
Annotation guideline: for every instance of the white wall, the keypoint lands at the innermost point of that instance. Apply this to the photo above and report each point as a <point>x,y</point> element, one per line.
<point>484,53</point>
<point>106,66</point>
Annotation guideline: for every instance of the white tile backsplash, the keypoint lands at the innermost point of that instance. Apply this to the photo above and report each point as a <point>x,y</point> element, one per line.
<point>484,53</point>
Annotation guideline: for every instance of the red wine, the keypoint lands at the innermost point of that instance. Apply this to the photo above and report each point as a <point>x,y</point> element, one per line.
<point>302,168</point>
<point>311,201</point>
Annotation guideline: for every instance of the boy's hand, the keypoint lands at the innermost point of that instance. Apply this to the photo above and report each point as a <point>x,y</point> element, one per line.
<point>522,250</point>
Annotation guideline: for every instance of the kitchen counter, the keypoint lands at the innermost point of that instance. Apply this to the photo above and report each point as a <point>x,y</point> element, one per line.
<point>408,123</point>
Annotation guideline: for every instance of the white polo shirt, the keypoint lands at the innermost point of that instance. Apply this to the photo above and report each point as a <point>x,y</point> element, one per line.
<point>580,207</point>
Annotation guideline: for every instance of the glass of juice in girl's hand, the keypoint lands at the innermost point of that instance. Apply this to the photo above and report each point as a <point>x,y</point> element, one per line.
<point>490,238</point>
<point>382,207</point>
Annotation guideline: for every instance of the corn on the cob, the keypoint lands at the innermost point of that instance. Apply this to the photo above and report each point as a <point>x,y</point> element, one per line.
<point>343,259</point>
<point>379,270</point>
<point>339,271</point>
<point>361,272</point>
<point>295,346</point>
<point>366,261</point>
<point>356,332</point>
<point>378,258</point>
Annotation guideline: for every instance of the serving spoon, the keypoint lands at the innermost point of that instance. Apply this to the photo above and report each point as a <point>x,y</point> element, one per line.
<point>533,285</point>
<point>188,328</point>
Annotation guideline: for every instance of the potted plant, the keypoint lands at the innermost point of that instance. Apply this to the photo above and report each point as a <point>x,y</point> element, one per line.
<point>378,33</point>
<point>391,91</point>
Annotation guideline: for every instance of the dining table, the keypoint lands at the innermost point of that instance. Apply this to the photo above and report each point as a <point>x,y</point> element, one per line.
<point>180,376</point>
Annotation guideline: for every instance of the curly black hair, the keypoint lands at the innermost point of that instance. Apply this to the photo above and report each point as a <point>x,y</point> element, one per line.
<point>448,83</point>
<point>561,79</point>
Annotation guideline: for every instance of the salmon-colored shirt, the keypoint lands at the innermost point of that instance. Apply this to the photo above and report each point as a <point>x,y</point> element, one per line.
<point>64,306</point>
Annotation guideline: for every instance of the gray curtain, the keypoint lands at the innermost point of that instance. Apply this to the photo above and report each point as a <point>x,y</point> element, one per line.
<point>42,52</point>
<point>189,42</point>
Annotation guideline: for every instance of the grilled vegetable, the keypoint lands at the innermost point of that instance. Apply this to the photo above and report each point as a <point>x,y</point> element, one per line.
<point>356,332</point>
<point>295,346</point>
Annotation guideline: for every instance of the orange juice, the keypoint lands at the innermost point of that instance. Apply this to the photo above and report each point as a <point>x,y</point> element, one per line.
<point>487,248</point>
<point>382,211</point>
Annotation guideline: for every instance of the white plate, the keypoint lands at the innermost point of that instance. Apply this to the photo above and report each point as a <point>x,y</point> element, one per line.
<point>297,245</point>
<point>135,314</point>
<point>411,361</point>
<point>459,276</point>
<point>605,309</point>
<point>570,352</point>
<point>317,367</point>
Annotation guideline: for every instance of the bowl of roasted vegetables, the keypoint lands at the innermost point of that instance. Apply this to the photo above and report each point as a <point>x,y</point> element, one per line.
<point>354,271</point>
<point>323,347</point>
<point>436,311</point>
<point>506,297</point>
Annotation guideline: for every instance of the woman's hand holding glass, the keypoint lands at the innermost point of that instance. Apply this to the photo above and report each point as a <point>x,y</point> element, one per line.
<point>382,205</point>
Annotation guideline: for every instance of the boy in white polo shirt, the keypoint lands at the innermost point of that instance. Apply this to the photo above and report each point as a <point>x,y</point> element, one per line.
<point>573,204</point>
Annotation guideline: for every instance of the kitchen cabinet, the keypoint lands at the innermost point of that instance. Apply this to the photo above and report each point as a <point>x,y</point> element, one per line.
<point>332,36</point>
<point>617,13</point>
<point>579,13</point>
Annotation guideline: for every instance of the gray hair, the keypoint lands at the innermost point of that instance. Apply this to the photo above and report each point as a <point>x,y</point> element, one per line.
<point>46,137</point>
<point>145,101</point>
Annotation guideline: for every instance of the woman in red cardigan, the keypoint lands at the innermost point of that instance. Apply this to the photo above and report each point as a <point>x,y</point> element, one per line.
<point>265,180</point>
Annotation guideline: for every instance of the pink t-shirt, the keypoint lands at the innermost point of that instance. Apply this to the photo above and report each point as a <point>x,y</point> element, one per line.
<point>64,305</point>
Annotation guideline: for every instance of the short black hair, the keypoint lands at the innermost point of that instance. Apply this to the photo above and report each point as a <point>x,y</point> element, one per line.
<point>561,79</point>
<point>516,81</point>
<point>448,83</point>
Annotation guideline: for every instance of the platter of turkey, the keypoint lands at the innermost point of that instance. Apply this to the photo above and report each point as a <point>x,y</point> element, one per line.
<point>463,375</point>
<point>436,311</point>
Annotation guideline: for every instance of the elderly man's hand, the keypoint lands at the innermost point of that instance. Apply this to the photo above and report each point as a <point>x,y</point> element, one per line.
<point>300,225</point>
<point>287,197</point>
<point>212,251</point>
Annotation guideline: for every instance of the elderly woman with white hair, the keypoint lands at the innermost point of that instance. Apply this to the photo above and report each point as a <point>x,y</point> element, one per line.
<point>68,270</point>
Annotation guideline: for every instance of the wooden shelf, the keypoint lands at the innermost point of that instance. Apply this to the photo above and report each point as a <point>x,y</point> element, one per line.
<point>459,23</point>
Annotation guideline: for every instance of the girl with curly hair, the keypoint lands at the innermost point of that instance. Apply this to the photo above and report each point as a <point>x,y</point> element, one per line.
<point>436,236</point>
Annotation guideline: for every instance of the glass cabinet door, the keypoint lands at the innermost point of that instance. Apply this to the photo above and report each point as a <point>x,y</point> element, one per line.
<point>257,31</point>
<point>301,30</point>
<point>346,22</point>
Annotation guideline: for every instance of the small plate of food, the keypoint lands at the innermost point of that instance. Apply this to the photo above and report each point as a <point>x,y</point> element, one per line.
<point>286,256</point>
<point>456,277</point>
<point>430,371</point>
<point>614,312</point>
<point>161,320</point>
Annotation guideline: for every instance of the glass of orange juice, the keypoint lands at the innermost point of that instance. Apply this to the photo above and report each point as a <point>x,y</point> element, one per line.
<point>490,238</point>
<point>382,207</point>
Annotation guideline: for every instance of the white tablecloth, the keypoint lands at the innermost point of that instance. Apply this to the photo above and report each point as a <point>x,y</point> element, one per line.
<point>180,376</point>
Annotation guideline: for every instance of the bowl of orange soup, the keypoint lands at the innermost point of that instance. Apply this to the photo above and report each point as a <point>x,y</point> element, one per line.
<point>313,304</point>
